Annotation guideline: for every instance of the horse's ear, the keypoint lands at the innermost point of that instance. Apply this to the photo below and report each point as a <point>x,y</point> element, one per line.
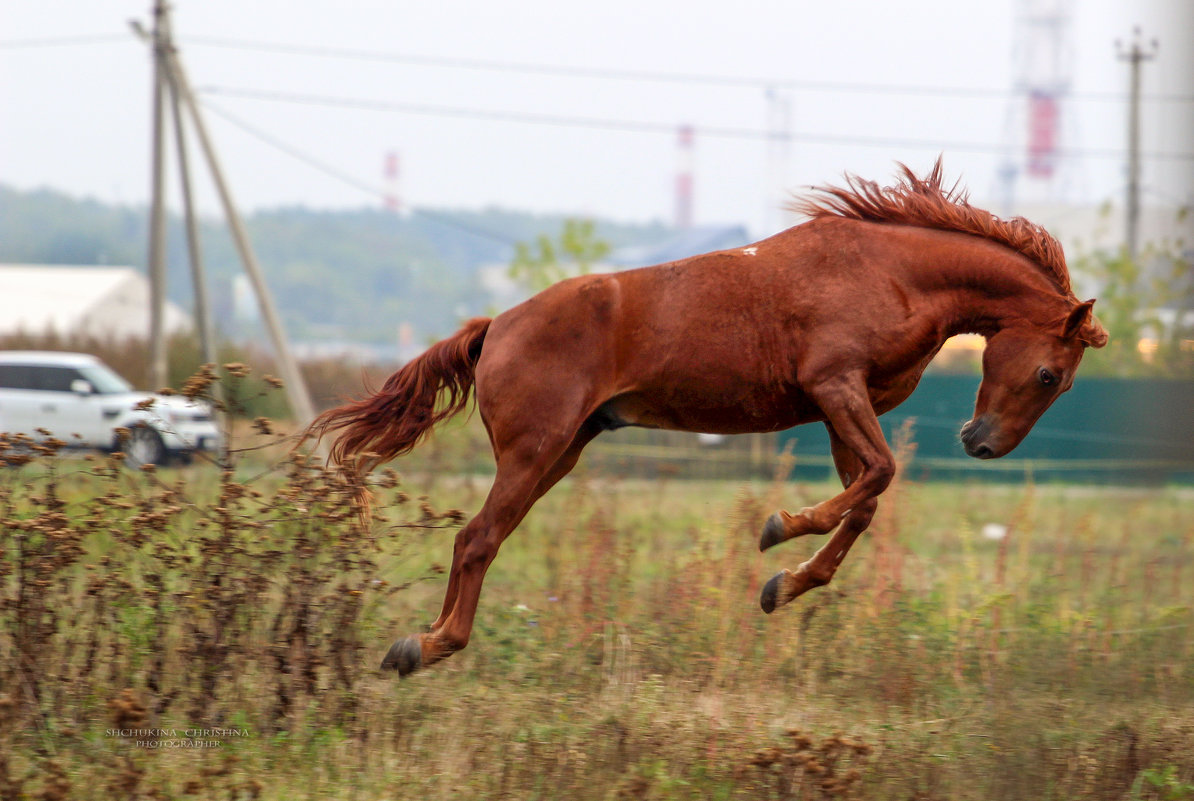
<point>1080,323</point>
<point>1076,319</point>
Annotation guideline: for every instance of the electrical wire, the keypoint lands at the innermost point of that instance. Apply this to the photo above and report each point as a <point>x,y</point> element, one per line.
<point>639,126</point>
<point>606,73</point>
<point>349,180</point>
<point>299,155</point>
<point>602,73</point>
<point>63,41</point>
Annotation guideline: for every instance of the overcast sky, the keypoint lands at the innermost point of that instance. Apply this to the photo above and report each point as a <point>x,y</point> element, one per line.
<point>76,116</point>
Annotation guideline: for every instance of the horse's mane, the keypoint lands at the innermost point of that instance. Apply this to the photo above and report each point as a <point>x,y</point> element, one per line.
<point>923,202</point>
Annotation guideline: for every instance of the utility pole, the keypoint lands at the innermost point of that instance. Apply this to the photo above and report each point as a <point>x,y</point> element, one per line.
<point>170,78</point>
<point>296,387</point>
<point>1135,56</point>
<point>207,348</point>
<point>157,214</point>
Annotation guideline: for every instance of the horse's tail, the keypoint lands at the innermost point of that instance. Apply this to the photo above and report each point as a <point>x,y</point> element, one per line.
<point>394,419</point>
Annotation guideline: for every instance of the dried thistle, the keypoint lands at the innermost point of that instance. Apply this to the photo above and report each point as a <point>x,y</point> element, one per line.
<point>127,711</point>
<point>829,769</point>
<point>199,383</point>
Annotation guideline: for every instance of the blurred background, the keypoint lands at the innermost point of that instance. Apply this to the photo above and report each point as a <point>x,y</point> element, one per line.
<point>400,167</point>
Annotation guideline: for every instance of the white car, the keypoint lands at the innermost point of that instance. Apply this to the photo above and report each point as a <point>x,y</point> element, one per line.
<point>82,402</point>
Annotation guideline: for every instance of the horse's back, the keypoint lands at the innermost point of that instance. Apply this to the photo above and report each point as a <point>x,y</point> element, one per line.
<point>686,345</point>
<point>725,341</point>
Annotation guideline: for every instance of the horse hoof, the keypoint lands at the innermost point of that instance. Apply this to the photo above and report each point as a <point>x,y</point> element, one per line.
<point>404,656</point>
<point>773,532</point>
<point>769,598</point>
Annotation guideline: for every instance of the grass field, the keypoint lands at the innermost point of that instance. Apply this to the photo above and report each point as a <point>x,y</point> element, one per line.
<point>198,633</point>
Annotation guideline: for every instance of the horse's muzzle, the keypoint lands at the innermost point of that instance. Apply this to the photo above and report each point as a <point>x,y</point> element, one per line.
<point>976,436</point>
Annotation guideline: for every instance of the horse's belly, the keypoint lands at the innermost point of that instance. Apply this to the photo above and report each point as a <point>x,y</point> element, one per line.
<point>712,414</point>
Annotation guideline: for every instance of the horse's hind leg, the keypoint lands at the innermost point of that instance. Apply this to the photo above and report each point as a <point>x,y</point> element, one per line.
<point>561,468</point>
<point>819,570</point>
<point>526,470</point>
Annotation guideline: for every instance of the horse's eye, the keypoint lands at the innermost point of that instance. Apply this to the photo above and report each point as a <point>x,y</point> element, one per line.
<point>1047,378</point>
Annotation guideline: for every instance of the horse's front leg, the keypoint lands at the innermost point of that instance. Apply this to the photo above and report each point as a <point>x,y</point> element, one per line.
<point>819,570</point>
<point>851,418</point>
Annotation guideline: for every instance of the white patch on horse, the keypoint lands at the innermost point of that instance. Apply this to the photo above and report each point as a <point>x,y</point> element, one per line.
<point>751,251</point>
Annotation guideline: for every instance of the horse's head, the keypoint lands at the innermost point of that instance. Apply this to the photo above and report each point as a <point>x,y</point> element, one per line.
<point>1025,368</point>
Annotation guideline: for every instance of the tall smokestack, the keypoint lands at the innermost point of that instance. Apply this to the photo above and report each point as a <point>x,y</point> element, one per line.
<point>390,174</point>
<point>684,176</point>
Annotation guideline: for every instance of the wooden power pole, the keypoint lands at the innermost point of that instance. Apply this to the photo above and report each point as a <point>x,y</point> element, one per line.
<point>157,213</point>
<point>1135,55</point>
<point>170,78</point>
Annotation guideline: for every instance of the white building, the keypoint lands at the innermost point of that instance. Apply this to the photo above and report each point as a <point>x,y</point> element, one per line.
<point>90,301</point>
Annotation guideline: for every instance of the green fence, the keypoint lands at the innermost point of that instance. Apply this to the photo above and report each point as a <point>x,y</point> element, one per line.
<point>1109,430</point>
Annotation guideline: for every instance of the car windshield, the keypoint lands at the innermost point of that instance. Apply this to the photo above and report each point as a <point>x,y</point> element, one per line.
<point>104,380</point>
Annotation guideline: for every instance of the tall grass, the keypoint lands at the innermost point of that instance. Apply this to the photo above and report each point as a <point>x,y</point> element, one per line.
<point>619,651</point>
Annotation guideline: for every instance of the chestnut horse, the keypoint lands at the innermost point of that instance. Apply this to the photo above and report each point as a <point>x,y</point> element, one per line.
<point>833,320</point>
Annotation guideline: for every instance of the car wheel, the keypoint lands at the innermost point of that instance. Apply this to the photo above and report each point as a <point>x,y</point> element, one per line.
<point>143,446</point>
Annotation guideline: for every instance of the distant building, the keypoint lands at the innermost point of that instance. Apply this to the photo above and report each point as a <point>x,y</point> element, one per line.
<point>88,301</point>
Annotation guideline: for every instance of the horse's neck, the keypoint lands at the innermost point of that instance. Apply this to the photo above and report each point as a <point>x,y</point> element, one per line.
<point>982,291</point>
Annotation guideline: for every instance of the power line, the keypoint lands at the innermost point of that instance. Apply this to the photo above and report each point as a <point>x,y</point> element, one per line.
<point>299,155</point>
<point>604,73</point>
<point>64,41</point>
<point>349,180</point>
<point>607,73</point>
<point>641,126</point>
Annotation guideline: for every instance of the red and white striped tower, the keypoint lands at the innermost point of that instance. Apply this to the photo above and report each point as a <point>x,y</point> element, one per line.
<point>1040,127</point>
<point>390,172</point>
<point>684,176</point>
